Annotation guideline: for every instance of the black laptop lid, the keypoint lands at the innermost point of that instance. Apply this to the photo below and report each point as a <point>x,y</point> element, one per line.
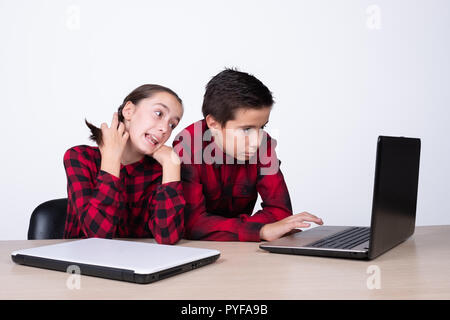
<point>395,193</point>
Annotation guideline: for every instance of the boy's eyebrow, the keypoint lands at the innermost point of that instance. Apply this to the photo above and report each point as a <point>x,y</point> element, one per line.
<point>163,105</point>
<point>252,126</point>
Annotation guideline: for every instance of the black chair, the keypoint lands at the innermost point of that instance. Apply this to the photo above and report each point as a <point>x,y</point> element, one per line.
<point>47,220</point>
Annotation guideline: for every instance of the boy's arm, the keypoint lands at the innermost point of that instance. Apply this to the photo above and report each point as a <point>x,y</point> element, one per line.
<point>202,225</point>
<point>276,202</point>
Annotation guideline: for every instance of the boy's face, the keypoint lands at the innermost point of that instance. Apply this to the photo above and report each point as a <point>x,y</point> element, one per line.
<point>241,137</point>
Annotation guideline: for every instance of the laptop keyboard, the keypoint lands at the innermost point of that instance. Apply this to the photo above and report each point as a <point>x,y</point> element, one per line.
<point>344,240</point>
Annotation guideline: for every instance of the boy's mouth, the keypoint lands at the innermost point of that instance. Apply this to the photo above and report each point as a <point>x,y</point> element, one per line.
<point>250,153</point>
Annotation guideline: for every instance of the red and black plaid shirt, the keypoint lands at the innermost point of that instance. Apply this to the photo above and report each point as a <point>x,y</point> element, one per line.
<point>220,198</point>
<point>136,205</point>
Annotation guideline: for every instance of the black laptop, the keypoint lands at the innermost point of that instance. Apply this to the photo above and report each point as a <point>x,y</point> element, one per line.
<point>393,210</point>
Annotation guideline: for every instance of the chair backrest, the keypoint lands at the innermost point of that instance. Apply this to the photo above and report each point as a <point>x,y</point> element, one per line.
<point>48,220</point>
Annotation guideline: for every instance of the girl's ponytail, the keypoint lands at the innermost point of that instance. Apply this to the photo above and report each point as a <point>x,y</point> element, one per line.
<point>96,133</point>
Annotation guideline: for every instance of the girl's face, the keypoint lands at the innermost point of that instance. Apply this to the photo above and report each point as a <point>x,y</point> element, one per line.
<point>150,122</point>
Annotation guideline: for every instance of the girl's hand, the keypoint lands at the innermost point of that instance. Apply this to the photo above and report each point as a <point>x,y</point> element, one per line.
<point>273,231</point>
<point>166,156</point>
<point>114,141</point>
<point>170,163</point>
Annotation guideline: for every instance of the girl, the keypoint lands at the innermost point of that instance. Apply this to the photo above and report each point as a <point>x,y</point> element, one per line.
<point>130,185</point>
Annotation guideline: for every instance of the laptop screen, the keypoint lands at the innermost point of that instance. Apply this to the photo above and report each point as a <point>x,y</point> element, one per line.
<point>395,192</point>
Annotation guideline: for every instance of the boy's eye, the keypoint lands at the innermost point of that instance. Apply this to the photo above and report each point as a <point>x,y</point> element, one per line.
<point>158,113</point>
<point>172,126</point>
<point>248,130</point>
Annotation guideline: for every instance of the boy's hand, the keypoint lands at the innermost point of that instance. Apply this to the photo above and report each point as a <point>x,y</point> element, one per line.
<point>114,142</point>
<point>273,231</point>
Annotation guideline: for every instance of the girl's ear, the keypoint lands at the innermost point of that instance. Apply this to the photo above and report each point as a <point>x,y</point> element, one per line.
<point>128,110</point>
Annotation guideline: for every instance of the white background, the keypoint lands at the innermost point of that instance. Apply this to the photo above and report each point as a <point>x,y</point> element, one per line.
<point>341,72</point>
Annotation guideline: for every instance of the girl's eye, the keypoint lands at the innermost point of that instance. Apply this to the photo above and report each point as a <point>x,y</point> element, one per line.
<point>158,113</point>
<point>172,126</point>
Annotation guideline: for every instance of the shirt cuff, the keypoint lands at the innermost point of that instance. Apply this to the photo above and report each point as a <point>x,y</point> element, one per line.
<point>250,231</point>
<point>111,180</point>
<point>175,185</point>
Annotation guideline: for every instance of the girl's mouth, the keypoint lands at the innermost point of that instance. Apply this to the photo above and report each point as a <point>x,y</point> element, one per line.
<point>152,139</point>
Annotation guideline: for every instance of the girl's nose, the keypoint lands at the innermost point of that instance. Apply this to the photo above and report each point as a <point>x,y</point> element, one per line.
<point>164,127</point>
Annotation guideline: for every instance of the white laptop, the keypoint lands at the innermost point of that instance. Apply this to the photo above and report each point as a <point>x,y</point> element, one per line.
<point>130,261</point>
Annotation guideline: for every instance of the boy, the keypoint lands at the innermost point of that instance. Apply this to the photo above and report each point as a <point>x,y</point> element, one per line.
<point>227,159</point>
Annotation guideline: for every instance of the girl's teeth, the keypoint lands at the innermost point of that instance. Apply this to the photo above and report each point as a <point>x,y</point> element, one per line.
<point>151,139</point>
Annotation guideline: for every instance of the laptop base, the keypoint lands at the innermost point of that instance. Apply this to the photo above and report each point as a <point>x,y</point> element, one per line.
<point>108,272</point>
<point>299,243</point>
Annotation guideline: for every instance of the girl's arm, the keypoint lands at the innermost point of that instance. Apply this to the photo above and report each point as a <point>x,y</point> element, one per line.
<point>96,199</point>
<point>167,206</point>
<point>167,213</point>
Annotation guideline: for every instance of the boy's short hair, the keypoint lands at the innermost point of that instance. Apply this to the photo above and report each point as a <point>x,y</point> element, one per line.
<point>230,90</point>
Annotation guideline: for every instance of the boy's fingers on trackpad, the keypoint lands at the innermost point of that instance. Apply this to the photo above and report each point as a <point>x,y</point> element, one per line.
<point>310,219</point>
<point>293,231</point>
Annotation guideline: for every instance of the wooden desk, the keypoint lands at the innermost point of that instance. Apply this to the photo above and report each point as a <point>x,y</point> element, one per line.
<point>416,269</point>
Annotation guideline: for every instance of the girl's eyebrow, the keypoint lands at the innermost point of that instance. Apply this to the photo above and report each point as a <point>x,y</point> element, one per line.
<point>166,107</point>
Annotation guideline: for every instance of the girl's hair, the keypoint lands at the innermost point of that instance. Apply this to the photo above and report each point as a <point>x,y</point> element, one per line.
<point>142,92</point>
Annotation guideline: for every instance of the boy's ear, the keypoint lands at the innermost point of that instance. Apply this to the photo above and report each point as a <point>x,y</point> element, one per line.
<point>212,123</point>
<point>128,110</point>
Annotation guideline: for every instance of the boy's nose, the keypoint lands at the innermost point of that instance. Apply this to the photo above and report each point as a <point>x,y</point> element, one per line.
<point>253,141</point>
